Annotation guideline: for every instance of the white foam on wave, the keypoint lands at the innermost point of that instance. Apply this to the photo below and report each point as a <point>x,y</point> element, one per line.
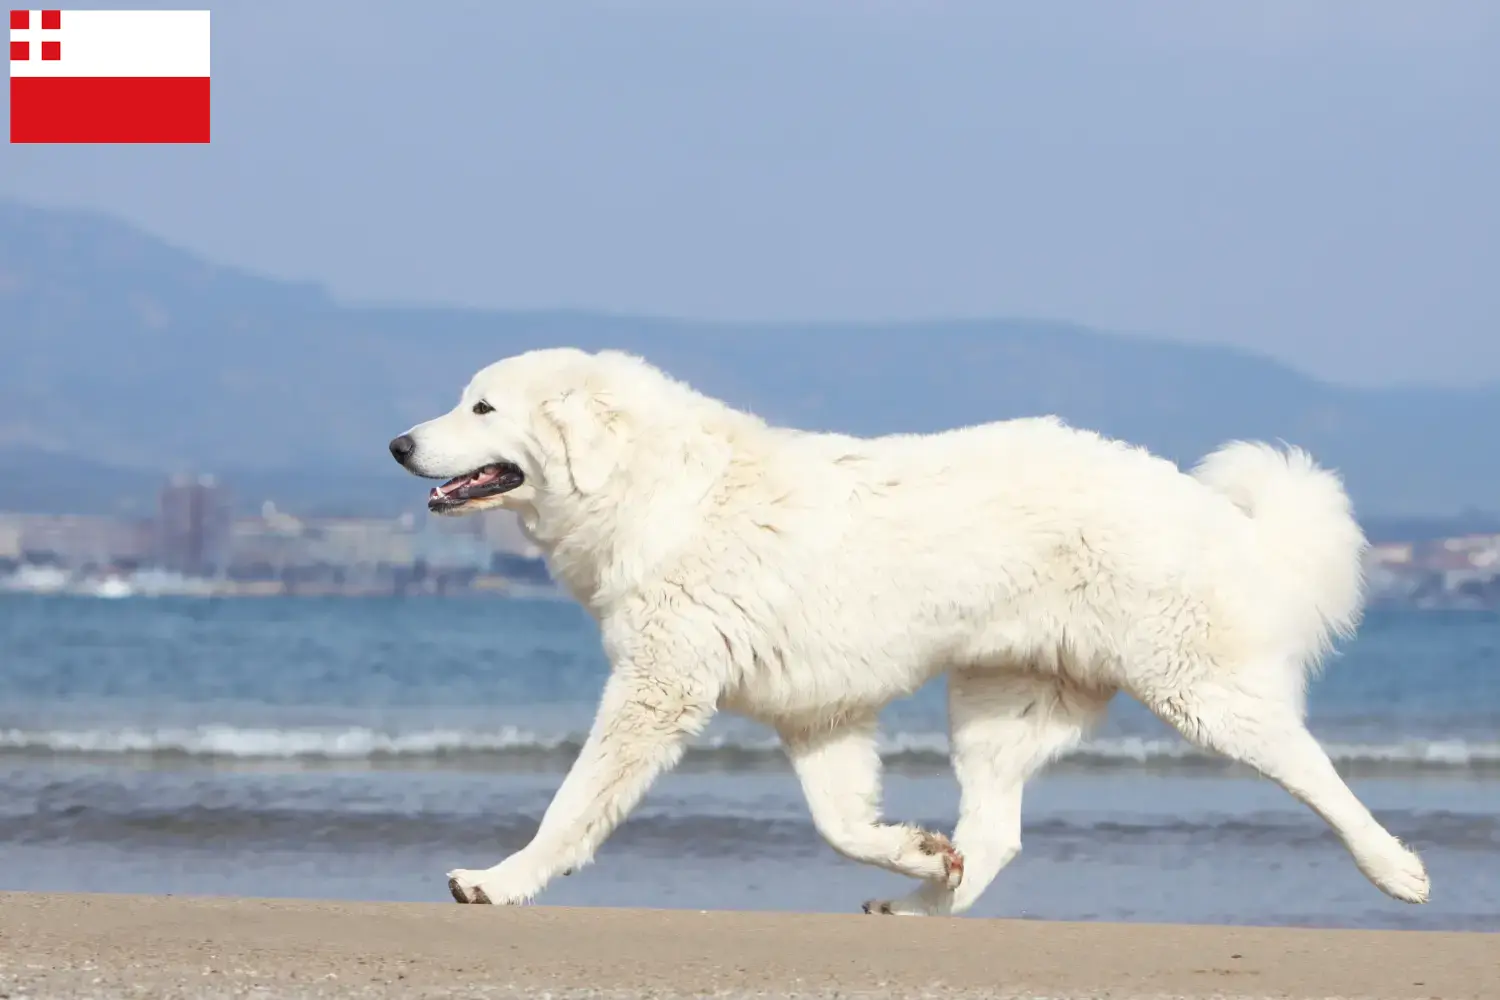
<point>270,743</point>
<point>355,743</point>
<point>1405,754</point>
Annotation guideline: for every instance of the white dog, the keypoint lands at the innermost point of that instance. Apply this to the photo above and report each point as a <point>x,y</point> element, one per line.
<point>805,580</point>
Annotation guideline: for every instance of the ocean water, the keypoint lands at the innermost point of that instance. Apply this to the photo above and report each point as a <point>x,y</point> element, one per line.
<point>359,749</point>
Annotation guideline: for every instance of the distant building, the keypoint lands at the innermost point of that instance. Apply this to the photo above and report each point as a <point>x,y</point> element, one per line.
<point>1479,550</point>
<point>12,538</point>
<point>76,541</point>
<point>194,524</point>
<point>262,548</point>
<point>1391,554</point>
<point>361,542</point>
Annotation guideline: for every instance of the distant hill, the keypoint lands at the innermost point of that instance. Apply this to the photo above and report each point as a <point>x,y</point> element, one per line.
<point>122,358</point>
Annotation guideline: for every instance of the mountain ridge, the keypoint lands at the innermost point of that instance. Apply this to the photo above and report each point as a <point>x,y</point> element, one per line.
<point>125,350</point>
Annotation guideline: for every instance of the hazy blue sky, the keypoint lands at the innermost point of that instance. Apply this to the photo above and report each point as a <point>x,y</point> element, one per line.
<point>1316,180</point>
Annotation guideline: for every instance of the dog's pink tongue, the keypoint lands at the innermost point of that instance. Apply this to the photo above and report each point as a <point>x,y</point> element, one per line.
<point>472,479</point>
<point>448,487</point>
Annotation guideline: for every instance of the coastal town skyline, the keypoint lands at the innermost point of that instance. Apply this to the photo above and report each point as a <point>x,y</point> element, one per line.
<point>201,541</point>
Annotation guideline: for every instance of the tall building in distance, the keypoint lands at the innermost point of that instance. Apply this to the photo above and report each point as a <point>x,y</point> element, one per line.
<point>194,526</point>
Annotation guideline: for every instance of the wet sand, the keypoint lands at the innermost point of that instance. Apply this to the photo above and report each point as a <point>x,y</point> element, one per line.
<point>179,947</point>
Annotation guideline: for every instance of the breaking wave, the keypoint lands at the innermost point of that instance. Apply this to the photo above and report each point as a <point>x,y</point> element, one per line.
<point>509,747</point>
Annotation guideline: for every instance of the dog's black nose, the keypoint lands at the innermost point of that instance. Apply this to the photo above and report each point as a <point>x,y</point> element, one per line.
<point>402,447</point>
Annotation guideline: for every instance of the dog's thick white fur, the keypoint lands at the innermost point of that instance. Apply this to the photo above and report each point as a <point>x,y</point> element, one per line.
<point>805,580</point>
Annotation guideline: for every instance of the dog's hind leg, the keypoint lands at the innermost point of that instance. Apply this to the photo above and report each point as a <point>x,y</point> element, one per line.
<point>1005,727</point>
<point>1266,732</point>
<point>839,767</point>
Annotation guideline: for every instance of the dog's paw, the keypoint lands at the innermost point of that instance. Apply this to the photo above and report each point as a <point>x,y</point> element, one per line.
<point>911,906</point>
<point>940,865</point>
<point>466,893</point>
<point>950,863</point>
<point>478,887</point>
<point>1398,872</point>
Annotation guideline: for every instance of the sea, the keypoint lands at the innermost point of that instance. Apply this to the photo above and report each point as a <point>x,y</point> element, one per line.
<point>358,749</point>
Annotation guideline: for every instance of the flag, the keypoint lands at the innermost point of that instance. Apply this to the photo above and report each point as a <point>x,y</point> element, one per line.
<point>109,76</point>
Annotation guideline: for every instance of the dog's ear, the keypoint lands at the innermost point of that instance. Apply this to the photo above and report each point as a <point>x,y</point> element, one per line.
<point>592,436</point>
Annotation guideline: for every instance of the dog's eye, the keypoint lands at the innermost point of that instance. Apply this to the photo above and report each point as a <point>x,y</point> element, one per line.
<point>482,408</point>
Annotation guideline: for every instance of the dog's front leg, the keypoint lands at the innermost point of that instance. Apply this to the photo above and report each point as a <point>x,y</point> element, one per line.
<point>641,729</point>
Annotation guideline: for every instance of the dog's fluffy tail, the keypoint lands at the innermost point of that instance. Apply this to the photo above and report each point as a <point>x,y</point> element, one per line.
<point>1307,527</point>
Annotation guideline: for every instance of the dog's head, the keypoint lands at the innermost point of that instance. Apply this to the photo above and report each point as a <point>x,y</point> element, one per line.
<point>545,424</point>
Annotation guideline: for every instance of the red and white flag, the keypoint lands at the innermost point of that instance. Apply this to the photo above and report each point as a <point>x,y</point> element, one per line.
<point>109,76</point>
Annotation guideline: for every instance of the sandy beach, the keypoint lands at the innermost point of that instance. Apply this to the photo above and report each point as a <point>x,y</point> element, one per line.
<point>169,947</point>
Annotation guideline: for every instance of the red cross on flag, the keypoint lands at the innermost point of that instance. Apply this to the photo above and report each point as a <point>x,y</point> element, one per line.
<point>109,76</point>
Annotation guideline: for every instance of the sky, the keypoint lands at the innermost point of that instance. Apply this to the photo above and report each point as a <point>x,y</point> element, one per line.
<point>1310,179</point>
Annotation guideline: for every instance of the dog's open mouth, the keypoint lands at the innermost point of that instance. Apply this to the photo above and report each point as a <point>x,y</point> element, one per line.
<point>490,481</point>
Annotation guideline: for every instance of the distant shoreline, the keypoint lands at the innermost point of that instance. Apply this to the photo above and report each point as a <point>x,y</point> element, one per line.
<point>494,589</point>
<point>118,946</point>
<point>212,590</point>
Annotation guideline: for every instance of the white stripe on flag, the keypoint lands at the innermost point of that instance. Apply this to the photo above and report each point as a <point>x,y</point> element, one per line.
<point>113,43</point>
